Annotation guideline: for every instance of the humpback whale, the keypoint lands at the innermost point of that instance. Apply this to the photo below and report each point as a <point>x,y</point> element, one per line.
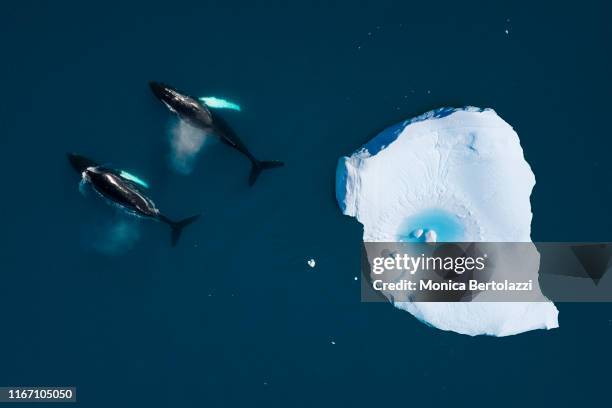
<point>120,188</point>
<point>198,115</point>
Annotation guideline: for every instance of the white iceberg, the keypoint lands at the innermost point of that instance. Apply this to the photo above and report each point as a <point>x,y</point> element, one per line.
<point>447,175</point>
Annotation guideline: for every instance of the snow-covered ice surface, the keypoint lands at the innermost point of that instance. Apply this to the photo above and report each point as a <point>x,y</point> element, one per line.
<point>448,175</point>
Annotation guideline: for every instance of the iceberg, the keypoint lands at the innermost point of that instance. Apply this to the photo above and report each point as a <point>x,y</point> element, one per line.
<point>449,175</point>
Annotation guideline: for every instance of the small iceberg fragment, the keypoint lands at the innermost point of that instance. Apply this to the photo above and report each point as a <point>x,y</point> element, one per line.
<point>450,175</point>
<point>312,263</point>
<point>431,236</point>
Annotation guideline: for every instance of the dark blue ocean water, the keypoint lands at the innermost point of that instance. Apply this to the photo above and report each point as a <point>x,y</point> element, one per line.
<point>233,316</point>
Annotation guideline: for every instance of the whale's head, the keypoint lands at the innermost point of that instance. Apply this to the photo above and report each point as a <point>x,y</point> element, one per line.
<point>80,163</point>
<point>185,106</point>
<point>161,91</point>
<point>178,103</point>
<point>98,176</point>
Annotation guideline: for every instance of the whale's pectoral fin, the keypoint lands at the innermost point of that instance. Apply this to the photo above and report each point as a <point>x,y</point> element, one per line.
<point>214,102</point>
<point>177,226</point>
<point>258,166</point>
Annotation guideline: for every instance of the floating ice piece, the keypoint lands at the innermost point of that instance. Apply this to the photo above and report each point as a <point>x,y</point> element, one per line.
<point>431,236</point>
<point>417,233</point>
<point>214,102</point>
<point>311,262</point>
<point>462,174</point>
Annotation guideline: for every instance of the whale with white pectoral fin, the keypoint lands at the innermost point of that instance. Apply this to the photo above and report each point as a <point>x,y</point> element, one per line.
<point>196,113</point>
<point>126,191</point>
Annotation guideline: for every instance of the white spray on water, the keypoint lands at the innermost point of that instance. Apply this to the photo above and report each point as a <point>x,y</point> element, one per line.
<point>116,237</point>
<point>110,230</point>
<point>186,142</point>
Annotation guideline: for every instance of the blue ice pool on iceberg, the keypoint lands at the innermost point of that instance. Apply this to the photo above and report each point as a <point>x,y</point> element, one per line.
<point>447,226</point>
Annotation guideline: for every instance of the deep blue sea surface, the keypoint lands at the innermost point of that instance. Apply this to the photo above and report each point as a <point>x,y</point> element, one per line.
<point>233,316</point>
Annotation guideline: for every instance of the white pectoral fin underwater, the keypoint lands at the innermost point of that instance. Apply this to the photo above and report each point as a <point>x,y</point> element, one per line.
<point>135,179</point>
<point>219,103</point>
<point>125,191</point>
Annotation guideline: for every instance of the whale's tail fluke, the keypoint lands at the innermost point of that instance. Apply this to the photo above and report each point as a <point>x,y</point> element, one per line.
<point>258,166</point>
<point>177,226</point>
<point>80,163</point>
